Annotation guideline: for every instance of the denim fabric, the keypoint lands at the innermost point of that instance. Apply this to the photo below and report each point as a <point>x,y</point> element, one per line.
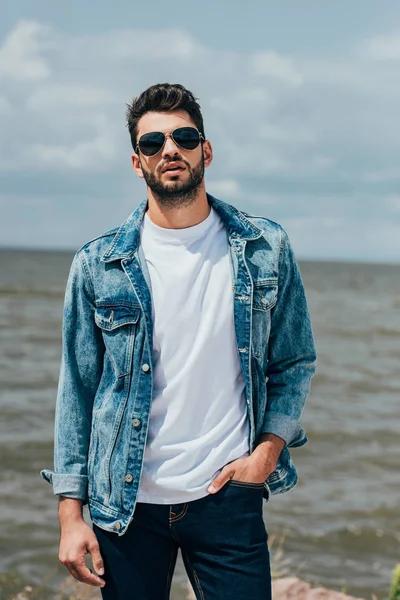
<point>105,384</point>
<point>223,542</point>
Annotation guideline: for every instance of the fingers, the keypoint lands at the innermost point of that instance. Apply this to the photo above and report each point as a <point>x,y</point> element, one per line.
<point>81,572</point>
<point>75,542</point>
<point>97,560</point>
<point>220,481</point>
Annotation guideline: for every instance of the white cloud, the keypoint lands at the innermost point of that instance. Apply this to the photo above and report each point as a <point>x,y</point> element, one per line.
<point>271,64</point>
<point>5,106</point>
<point>383,47</point>
<point>312,221</point>
<point>294,132</point>
<point>151,45</point>
<point>267,113</point>
<point>303,128</point>
<point>338,74</point>
<point>381,175</point>
<point>228,188</point>
<point>393,202</point>
<point>63,96</point>
<point>242,100</point>
<point>91,154</point>
<point>20,54</point>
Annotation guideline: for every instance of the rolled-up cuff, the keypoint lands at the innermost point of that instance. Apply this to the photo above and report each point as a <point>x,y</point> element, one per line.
<point>67,484</point>
<point>282,425</point>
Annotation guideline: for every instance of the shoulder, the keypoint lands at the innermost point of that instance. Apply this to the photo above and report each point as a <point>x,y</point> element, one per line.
<point>271,229</point>
<point>87,258</point>
<point>95,247</point>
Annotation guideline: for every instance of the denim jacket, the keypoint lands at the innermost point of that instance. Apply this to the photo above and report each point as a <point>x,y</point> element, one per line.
<point>105,385</point>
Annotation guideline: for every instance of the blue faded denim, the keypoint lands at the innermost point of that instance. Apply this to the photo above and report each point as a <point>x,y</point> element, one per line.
<point>223,542</point>
<point>105,384</point>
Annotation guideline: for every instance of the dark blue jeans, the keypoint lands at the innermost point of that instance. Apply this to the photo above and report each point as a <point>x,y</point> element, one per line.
<point>223,543</point>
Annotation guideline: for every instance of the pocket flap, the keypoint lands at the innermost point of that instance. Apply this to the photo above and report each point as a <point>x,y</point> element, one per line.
<point>265,293</point>
<point>112,317</point>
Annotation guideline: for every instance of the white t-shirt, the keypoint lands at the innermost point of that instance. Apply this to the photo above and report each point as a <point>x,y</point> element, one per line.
<point>198,420</point>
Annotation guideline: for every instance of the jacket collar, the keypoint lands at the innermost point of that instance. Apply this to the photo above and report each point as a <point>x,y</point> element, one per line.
<point>127,238</point>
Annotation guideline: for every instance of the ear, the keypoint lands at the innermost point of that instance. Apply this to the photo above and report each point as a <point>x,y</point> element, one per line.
<point>137,167</point>
<point>207,153</point>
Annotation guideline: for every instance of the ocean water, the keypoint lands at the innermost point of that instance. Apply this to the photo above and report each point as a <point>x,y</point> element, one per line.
<point>340,525</point>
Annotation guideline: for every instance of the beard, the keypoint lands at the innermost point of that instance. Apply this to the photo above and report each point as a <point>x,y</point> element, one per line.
<point>178,193</point>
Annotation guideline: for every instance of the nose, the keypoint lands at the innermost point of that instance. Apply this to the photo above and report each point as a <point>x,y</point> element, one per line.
<point>170,148</point>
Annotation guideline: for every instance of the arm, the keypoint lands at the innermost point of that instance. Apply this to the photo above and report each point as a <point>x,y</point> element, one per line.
<point>291,355</point>
<point>69,510</point>
<point>267,452</point>
<point>80,373</point>
<point>291,365</point>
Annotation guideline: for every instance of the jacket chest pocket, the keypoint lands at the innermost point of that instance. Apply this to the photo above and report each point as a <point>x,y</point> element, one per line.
<point>118,324</point>
<point>265,294</point>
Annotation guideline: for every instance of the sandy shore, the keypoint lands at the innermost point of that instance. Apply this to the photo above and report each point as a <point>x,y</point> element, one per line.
<point>286,588</point>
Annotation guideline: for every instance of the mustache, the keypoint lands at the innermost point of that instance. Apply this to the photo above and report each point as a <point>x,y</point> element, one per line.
<point>180,160</point>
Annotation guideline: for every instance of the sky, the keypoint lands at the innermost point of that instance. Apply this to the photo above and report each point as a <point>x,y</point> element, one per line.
<point>300,102</point>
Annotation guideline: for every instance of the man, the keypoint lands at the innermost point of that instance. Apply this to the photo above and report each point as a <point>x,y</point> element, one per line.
<point>187,358</point>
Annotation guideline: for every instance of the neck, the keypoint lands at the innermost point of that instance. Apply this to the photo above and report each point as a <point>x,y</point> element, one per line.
<point>179,217</point>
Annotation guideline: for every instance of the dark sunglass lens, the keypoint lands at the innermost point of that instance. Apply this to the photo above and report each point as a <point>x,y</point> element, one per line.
<point>187,137</point>
<point>151,143</point>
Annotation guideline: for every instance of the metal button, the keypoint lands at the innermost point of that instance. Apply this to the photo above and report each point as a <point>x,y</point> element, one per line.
<point>145,367</point>
<point>136,422</point>
<point>128,478</point>
<point>117,525</point>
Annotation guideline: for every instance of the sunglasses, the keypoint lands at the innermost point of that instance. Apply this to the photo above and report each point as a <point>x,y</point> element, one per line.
<point>151,143</point>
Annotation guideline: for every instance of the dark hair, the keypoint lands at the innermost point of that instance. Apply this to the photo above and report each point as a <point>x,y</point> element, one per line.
<point>163,97</point>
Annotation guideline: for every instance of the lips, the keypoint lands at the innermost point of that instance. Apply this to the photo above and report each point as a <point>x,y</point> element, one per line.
<point>173,167</point>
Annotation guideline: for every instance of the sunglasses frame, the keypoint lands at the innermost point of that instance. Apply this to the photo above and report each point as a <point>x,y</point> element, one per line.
<point>171,135</point>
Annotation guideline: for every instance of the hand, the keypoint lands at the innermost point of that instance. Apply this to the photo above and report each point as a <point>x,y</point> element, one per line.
<point>78,539</point>
<point>247,469</point>
<point>254,468</point>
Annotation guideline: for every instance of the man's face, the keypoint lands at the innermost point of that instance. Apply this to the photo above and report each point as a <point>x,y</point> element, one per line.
<point>178,186</point>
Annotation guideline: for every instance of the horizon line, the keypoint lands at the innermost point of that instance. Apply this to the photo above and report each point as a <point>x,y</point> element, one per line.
<point>298,258</point>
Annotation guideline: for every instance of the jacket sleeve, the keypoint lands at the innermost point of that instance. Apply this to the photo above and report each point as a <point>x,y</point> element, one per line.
<point>80,373</point>
<point>291,352</point>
